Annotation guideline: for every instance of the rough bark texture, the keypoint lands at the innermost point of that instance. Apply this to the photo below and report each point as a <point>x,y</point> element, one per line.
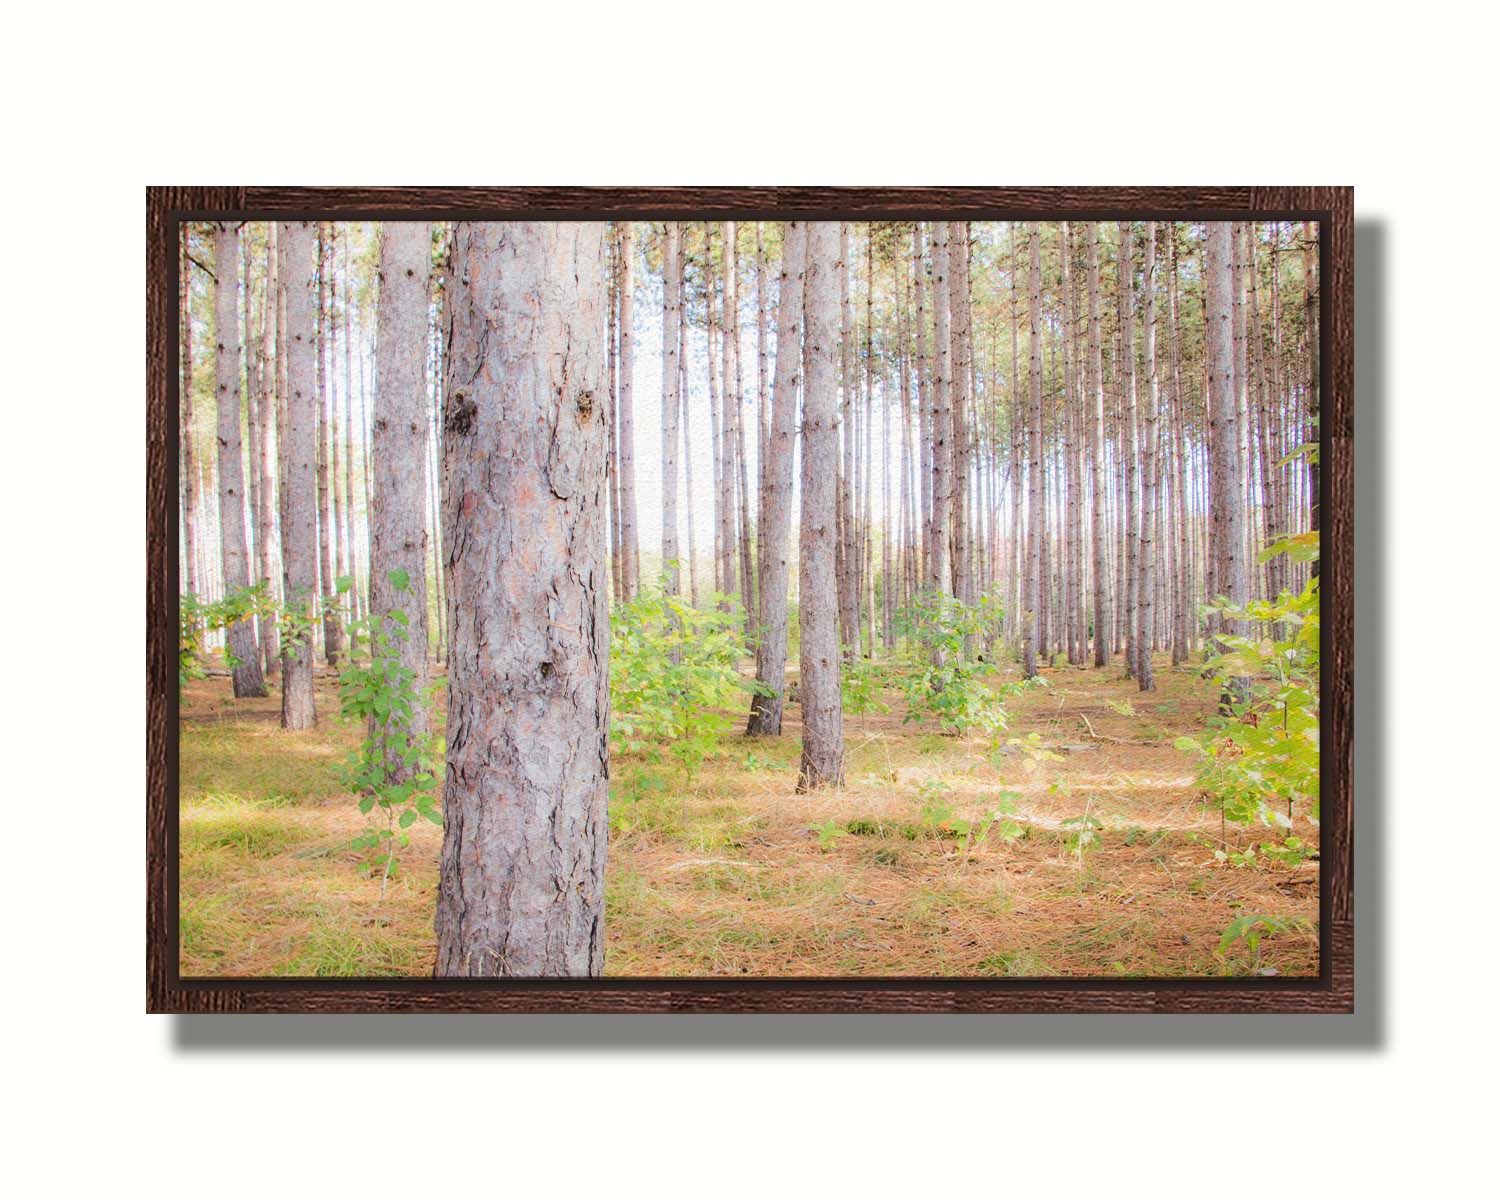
<point>822,711</point>
<point>1146,588</point>
<point>939,577</point>
<point>270,407</point>
<point>1035,514</point>
<point>776,497</point>
<point>189,455</point>
<point>398,532</point>
<point>234,552</point>
<point>1226,473</point>
<point>1095,421</point>
<point>333,629</point>
<point>630,548</point>
<point>522,879</point>
<point>671,403</point>
<point>299,527</point>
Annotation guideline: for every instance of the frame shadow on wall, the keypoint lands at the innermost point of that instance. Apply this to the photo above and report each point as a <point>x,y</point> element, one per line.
<point>1363,1031</point>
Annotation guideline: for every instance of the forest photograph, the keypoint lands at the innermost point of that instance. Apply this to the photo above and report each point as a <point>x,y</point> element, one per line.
<point>748,599</point>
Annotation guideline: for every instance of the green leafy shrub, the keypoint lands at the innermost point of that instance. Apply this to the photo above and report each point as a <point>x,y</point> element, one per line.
<point>1260,760</point>
<point>394,767</point>
<point>673,673</point>
<point>941,681</point>
<point>196,619</point>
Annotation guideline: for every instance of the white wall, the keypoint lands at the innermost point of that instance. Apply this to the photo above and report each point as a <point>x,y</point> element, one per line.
<point>920,94</point>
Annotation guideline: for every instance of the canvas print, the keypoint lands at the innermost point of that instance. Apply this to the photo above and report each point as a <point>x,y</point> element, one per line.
<point>753,599</point>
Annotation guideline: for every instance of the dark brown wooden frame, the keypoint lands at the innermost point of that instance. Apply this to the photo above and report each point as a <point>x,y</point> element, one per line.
<point>1332,991</point>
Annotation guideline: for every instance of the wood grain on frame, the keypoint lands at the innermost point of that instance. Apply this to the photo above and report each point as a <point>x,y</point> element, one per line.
<point>1331,992</point>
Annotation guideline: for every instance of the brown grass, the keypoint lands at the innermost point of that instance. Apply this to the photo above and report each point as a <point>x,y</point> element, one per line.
<point>732,874</point>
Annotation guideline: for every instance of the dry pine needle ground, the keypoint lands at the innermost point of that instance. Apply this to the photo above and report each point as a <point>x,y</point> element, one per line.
<point>737,875</point>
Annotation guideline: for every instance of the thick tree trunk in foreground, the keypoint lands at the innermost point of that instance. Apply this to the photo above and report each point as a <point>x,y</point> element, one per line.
<point>398,532</point>
<point>522,878</point>
<point>299,526</point>
<point>776,497</point>
<point>233,549</point>
<point>822,709</point>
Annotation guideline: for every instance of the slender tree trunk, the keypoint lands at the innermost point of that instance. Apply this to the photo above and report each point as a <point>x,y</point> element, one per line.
<point>940,578</point>
<point>1130,447</point>
<point>1037,517</point>
<point>962,370</point>
<point>736,400</point>
<point>1183,614</point>
<point>398,532</point>
<point>1311,284</point>
<point>612,468</point>
<point>687,461</point>
<point>924,404</point>
<point>521,891</point>
<point>630,543</point>
<point>347,531</point>
<point>718,421</point>
<point>845,552</point>
<point>339,532</point>
<point>1146,627</point>
<point>270,437</point>
<point>299,529</point>
<point>192,583</point>
<point>333,633</point>
<point>234,553</point>
<point>776,500</point>
<point>1227,471</point>
<point>822,711</point>
<point>671,403</point>
<point>1019,597</point>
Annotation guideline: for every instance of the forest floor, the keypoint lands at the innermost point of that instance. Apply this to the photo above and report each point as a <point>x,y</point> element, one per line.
<point>736,874</point>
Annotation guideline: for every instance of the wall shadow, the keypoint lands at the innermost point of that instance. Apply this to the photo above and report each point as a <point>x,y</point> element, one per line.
<point>1362,1033</point>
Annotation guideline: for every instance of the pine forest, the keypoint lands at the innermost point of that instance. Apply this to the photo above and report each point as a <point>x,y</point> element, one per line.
<point>749,598</point>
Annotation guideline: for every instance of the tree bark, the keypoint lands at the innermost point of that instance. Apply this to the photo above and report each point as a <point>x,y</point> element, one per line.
<point>521,890</point>
<point>630,542</point>
<point>270,434</point>
<point>299,528</point>
<point>1036,515</point>
<point>190,513</point>
<point>822,711</point>
<point>776,498</point>
<point>940,577</point>
<point>1228,516</point>
<point>1146,588</point>
<point>398,532</point>
<point>671,402</point>
<point>233,549</point>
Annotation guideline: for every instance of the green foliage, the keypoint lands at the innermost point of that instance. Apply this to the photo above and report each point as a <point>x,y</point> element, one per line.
<point>1260,760</point>
<point>196,619</point>
<point>393,768</point>
<point>942,682</point>
<point>828,833</point>
<point>1252,927</point>
<point>673,671</point>
<point>940,818</point>
<point>862,682</point>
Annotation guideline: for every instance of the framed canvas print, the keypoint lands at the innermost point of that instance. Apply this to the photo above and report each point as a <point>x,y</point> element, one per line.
<point>776,600</point>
